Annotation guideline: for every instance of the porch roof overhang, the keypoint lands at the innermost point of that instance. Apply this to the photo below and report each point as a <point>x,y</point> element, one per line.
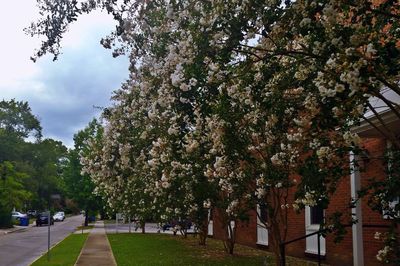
<point>390,119</point>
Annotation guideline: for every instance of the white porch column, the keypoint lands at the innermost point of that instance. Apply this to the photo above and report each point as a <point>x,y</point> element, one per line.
<point>357,230</point>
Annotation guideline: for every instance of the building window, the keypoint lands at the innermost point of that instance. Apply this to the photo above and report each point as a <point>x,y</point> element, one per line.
<point>263,214</point>
<point>316,215</point>
<point>210,222</point>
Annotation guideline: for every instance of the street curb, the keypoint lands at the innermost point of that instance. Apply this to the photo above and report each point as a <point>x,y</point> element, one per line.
<point>14,230</point>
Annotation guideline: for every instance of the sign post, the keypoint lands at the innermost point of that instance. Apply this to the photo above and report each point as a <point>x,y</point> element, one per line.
<point>118,216</point>
<point>52,197</point>
<point>48,235</point>
<point>116,223</point>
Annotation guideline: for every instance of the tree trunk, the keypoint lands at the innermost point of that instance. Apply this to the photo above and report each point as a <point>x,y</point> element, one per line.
<point>277,257</point>
<point>229,246</point>
<point>202,238</point>
<point>86,218</point>
<point>229,242</point>
<point>276,241</point>
<point>143,225</point>
<point>184,232</point>
<point>203,232</point>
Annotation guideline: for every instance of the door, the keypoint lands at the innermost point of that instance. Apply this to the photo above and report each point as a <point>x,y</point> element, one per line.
<point>314,217</point>
<point>262,231</point>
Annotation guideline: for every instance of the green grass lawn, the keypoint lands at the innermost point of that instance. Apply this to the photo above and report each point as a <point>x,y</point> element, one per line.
<point>65,253</point>
<point>155,249</point>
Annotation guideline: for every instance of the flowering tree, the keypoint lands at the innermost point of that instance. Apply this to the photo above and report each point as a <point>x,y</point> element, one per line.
<point>116,165</point>
<point>275,87</point>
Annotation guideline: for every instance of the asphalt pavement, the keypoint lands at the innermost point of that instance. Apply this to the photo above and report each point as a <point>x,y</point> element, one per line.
<point>112,228</point>
<point>22,247</point>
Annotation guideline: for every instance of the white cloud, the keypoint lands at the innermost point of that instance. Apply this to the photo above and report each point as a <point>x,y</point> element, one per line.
<point>61,93</point>
<point>16,47</point>
<point>77,35</point>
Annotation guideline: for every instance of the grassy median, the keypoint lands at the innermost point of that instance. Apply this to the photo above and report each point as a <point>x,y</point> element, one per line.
<point>156,249</point>
<point>65,253</point>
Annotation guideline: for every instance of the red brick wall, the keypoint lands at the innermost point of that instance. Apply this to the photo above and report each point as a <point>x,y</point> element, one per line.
<point>340,253</point>
<point>374,169</point>
<point>336,254</point>
<point>217,225</point>
<point>246,231</point>
<point>296,228</point>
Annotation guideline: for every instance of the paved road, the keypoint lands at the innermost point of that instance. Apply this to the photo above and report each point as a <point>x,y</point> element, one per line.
<point>124,228</point>
<point>149,227</point>
<point>23,247</point>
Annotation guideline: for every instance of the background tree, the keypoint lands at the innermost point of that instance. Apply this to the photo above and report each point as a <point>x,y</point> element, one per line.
<point>45,158</point>
<point>12,192</point>
<point>80,187</point>
<point>16,118</point>
<point>30,169</point>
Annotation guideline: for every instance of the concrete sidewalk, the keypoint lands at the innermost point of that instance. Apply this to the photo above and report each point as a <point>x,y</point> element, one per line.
<point>97,249</point>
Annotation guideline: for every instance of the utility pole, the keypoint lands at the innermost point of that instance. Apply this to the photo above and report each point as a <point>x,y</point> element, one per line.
<point>48,234</point>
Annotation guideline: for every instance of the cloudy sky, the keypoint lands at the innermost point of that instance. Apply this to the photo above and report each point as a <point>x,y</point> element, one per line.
<point>61,93</point>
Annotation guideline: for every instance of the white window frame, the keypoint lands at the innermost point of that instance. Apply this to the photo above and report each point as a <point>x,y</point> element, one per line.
<point>210,224</point>
<point>312,241</point>
<point>233,229</point>
<point>262,231</point>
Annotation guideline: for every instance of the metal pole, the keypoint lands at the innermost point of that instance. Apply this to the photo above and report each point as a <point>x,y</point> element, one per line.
<point>48,236</point>
<point>129,224</point>
<point>283,257</point>
<point>116,223</point>
<point>319,249</point>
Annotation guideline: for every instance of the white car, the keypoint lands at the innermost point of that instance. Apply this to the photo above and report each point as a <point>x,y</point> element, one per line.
<point>17,215</point>
<point>59,216</point>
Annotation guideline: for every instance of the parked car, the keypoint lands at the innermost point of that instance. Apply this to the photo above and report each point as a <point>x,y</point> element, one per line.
<point>17,215</point>
<point>91,218</point>
<point>42,219</point>
<point>32,213</point>
<point>184,224</point>
<point>59,216</point>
